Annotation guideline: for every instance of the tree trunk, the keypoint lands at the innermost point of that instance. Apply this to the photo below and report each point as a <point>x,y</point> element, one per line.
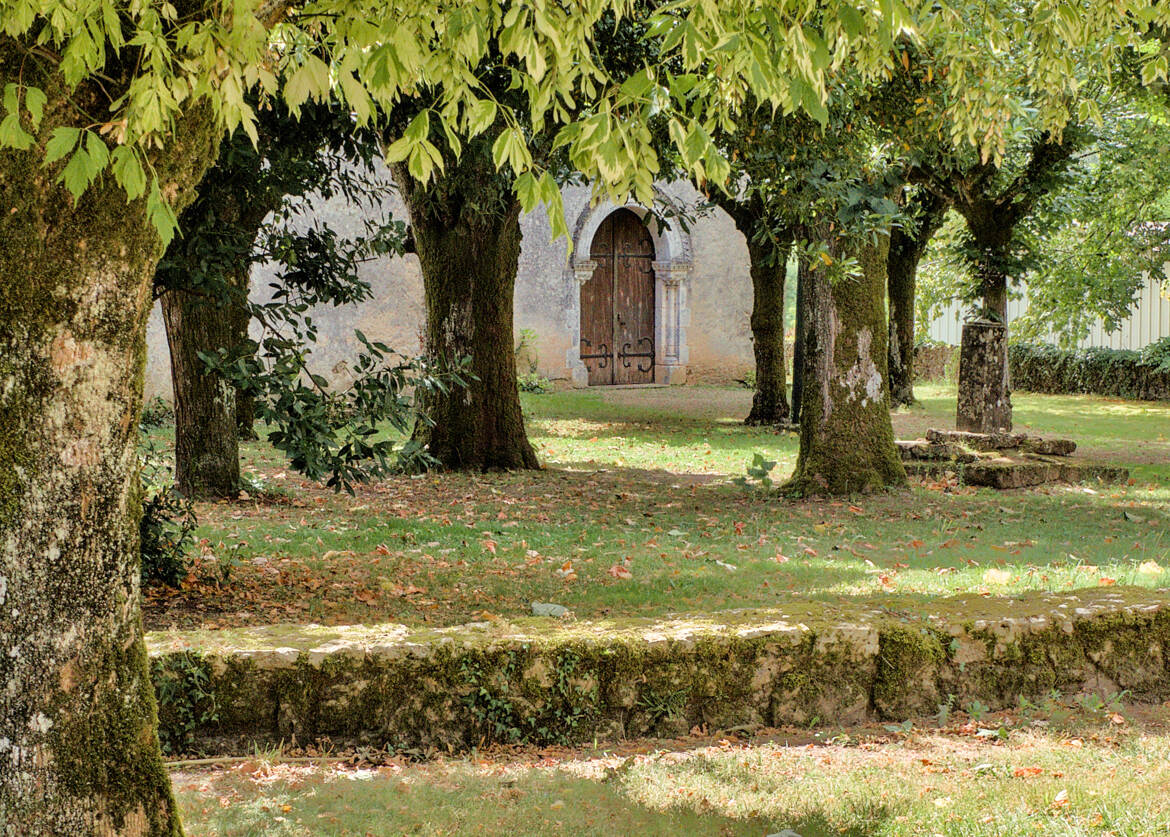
<point>927,212</point>
<point>469,258</point>
<point>79,753</point>
<point>903,268</point>
<point>799,338</point>
<point>207,445</point>
<point>846,439</point>
<point>768,268</point>
<point>241,317</point>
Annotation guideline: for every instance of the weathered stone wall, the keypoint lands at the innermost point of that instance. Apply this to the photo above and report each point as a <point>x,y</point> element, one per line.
<point>718,293</point>
<point>542,681</point>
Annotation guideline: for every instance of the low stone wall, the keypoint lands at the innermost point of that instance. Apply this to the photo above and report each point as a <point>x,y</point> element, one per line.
<point>935,361</point>
<point>545,681</point>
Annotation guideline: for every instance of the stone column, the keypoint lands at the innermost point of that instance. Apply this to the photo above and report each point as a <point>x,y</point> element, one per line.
<point>582,273</point>
<point>985,404</point>
<point>670,307</point>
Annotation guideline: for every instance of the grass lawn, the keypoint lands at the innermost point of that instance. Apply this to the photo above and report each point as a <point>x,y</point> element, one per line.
<point>636,515</point>
<point>1062,769</point>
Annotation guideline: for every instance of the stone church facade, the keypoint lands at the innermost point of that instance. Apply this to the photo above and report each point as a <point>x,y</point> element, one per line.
<point>635,302</point>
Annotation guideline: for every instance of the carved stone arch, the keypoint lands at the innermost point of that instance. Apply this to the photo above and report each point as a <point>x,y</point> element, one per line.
<point>672,270</point>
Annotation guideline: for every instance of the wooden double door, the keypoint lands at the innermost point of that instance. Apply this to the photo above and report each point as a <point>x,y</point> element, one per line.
<point>617,304</point>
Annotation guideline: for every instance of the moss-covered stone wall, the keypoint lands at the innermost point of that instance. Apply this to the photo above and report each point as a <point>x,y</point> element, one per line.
<point>543,682</point>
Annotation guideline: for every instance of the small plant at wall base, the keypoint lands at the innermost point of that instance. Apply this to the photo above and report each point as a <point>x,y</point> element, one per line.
<point>507,716</point>
<point>528,379</point>
<point>185,702</point>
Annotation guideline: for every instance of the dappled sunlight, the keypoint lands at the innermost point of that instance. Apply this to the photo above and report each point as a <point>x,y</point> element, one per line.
<point>636,516</point>
<point>1065,765</point>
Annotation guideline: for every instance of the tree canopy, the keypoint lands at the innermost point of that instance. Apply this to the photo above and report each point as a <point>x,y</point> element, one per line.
<point>140,64</point>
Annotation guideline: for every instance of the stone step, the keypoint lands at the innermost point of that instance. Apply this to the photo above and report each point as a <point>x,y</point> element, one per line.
<point>1005,473</point>
<point>543,681</point>
<point>1001,442</point>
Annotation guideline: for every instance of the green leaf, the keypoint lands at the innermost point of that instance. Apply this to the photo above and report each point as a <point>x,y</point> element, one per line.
<point>128,172</point>
<point>62,141</point>
<point>527,191</point>
<point>12,135</point>
<point>34,102</point>
<point>79,172</point>
<point>480,116</point>
<point>851,21</point>
<point>97,149</point>
<point>419,128</point>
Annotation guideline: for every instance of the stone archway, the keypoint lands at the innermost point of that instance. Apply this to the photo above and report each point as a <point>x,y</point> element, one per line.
<point>672,266</point>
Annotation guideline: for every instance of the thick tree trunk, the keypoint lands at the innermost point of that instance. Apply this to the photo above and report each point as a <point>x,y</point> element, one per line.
<point>768,269</point>
<point>469,259</point>
<point>79,753</point>
<point>846,439</point>
<point>207,445</point>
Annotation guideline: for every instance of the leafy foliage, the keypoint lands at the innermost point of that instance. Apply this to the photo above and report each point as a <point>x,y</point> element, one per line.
<point>506,716</point>
<point>167,525</point>
<point>139,67</point>
<point>339,435</point>
<point>182,684</point>
<point>1097,371</point>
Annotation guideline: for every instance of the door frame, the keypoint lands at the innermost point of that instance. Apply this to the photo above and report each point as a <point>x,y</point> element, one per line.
<point>672,268</point>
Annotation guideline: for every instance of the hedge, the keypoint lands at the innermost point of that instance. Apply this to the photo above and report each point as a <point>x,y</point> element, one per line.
<point>1096,371</point>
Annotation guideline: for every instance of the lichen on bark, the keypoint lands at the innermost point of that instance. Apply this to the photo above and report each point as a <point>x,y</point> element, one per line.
<point>846,438</point>
<point>78,748</point>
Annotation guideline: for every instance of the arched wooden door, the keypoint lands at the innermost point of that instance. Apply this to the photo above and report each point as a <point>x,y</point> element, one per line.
<point>617,303</point>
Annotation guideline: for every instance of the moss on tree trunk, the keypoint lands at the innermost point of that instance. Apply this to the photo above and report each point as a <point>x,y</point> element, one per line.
<point>846,439</point>
<point>466,231</point>
<point>79,753</point>
<point>768,266</point>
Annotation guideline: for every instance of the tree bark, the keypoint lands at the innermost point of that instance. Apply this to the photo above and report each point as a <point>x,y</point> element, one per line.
<point>768,267</point>
<point>79,753</point>
<point>207,444</point>
<point>846,438</point>
<point>469,255</point>
<point>906,249</point>
<point>240,318</point>
<point>799,338</point>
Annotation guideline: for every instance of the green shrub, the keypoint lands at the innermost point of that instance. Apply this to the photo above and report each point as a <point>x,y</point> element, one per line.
<point>534,382</point>
<point>1096,371</point>
<point>156,412</point>
<point>1157,355</point>
<point>167,526</point>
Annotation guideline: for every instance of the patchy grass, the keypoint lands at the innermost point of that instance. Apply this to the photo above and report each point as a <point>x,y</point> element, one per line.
<point>1079,770</point>
<point>635,515</point>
